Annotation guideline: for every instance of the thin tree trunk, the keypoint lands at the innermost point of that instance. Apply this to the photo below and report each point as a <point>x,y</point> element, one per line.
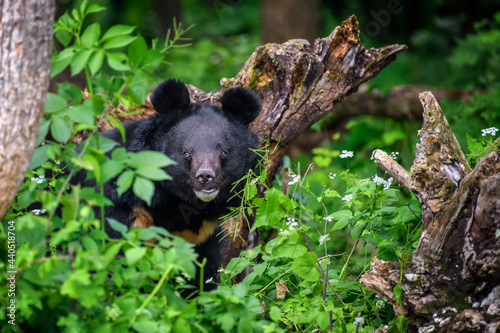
<point>26,45</point>
<point>452,282</point>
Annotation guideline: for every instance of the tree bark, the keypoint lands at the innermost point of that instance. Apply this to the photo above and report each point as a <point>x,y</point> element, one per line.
<point>452,282</point>
<point>26,45</point>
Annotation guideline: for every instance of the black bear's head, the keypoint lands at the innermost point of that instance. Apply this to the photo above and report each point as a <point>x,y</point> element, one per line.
<point>211,145</point>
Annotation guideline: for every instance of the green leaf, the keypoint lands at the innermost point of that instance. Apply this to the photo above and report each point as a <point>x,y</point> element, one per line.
<point>111,169</point>
<point>117,226</point>
<point>120,128</point>
<point>124,182</point>
<point>95,62</point>
<point>64,37</point>
<point>117,30</point>
<point>323,320</point>
<point>79,61</point>
<point>149,158</point>
<point>70,92</point>
<point>83,113</point>
<point>89,162</point>
<point>226,321</point>
<point>137,50</point>
<point>133,255</point>
<point>61,129</point>
<point>89,244</point>
<point>305,266</point>
<point>144,189</point>
<point>152,173</point>
<point>39,156</point>
<point>118,41</point>
<point>475,147</point>
<point>342,217</point>
<point>290,250</point>
<point>61,60</point>
<point>139,87</point>
<point>91,35</point>
<point>118,61</point>
<point>54,103</point>
<point>94,8</point>
<point>275,313</point>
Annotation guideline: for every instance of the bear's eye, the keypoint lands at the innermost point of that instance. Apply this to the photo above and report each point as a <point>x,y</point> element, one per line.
<point>223,153</point>
<point>186,154</point>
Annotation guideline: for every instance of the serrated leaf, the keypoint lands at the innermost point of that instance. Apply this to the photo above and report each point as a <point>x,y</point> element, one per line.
<point>133,255</point>
<point>91,35</point>
<point>117,30</point>
<point>118,61</point>
<point>305,266</point>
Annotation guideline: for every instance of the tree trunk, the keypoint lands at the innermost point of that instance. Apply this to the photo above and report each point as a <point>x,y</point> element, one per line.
<point>452,282</point>
<point>26,45</point>
<point>283,20</point>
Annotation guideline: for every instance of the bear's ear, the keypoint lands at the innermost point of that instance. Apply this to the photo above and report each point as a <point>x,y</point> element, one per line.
<point>170,97</point>
<point>242,104</point>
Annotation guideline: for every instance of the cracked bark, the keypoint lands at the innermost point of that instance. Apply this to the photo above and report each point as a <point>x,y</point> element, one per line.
<point>26,44</point>
<point>452,282</point>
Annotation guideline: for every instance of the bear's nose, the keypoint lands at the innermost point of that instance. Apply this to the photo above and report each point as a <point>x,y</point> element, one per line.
<point>205,176</point>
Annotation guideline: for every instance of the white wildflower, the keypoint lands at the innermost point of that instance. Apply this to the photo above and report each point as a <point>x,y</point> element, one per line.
<point>492,130</point>
<point>328,219</point>
<point>295,179</point>
<point>346,154</point>
<point>39,211</point>
<point>347,197</point>
<point>38,180</point>
<point>380,303</point>
<point>364,182</point>
<point>373,154</point>
<point>388,183</point>
<point>291,222</point>
<point>210,280</point>
<point>359,321</point>
<point>394,155</point>
<point>57,162</point>
<point>285,233</point>
<point>332,175</point>
<point>323,239</point>
<point>380,181</point>
<point>220,270</point>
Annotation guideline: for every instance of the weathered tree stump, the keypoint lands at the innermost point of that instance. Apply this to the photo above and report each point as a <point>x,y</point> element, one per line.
<point>452,282</point>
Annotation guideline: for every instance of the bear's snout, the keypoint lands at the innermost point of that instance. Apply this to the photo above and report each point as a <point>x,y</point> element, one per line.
<point>205,176</point>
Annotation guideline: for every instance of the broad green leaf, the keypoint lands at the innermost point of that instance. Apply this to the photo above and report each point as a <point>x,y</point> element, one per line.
<point>305,266</point>
<point>342,217</point>
<point>91,35</point>
<point>79,61</point>
<point>94,8</point>
<point>137,50</point>
<point>54,103</point>
<point>289,250</point>
<point>149,158</point>
<point>95,61</point>
<point>118,41</point>
<point>152,173</point>
<point>39,156</point>
<point>124,182</point>
<point>118,61</point>
<point>117,226</point>
<point>119,126</point>
<point>110,169</point>
<point>323,320</point>
<point>133,255</point>
<point>62,60</point>
<point>144,189</point>
<point>82,114</point>
<point>139,88</point>
<point>117,30</point>
<point>61,129</point>
<point>70,92</point>
<point>89,244</point>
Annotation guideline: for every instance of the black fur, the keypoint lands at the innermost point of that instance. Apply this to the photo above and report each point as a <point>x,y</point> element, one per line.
<point>198,137</point>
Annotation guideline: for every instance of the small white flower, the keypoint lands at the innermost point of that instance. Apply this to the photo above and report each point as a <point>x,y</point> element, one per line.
<point>39,211</point>
<point>373,155</point>
<point>347,197</point>
<point>394,155</point>
<point>388,183</point>
<point>210,280</point>
<point>359,321</point>
<point>295,179</point>
<point>346,154</point>
<point>379,181</point>
<point>328,219</point>
<point>220,270</point>
<point>291,222</point>
<point>38,180</point>
<point>380,303</point>
<point>492,130</point>
<point>58,162</point>
<point>285,233</point>
<point>323,239</point>
<point>332,175</point>
<point>364,182</point>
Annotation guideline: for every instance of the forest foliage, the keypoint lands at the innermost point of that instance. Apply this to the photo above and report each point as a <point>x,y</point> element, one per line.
<point>341,210</point>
